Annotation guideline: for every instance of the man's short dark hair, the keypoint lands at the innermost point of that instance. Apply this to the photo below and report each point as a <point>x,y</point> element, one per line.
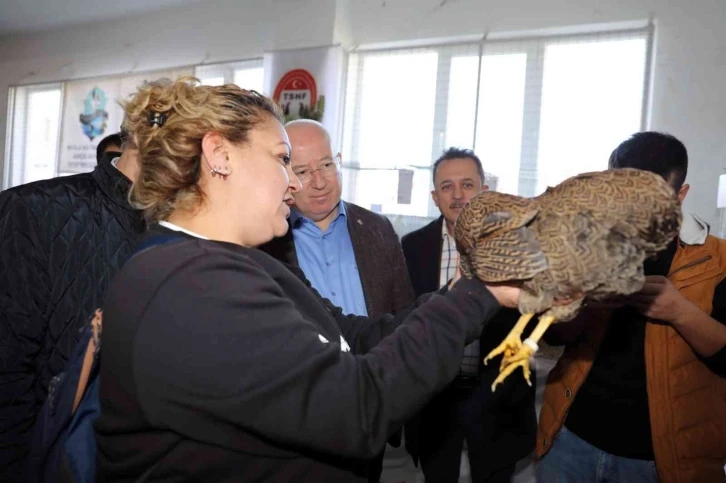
<point>108,141</point>
<point>456,153</point>
<point>656,152</point>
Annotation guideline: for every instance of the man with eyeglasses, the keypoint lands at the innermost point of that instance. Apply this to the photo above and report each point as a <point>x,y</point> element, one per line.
<point>350,255</point>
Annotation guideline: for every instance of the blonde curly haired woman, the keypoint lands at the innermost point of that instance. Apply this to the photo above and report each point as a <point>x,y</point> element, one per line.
<point>219,362</point>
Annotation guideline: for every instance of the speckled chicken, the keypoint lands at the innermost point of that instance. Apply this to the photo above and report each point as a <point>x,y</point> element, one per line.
<point>585,238</point>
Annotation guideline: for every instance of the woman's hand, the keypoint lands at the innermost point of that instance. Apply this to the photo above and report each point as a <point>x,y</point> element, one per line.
<point>506,295</point>
<point>457,276</point>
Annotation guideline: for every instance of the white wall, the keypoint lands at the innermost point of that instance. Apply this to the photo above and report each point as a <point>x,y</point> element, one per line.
<point>690,61</point>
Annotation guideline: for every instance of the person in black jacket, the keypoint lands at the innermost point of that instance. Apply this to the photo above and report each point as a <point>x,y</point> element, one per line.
<point>61,242</point>
<point>220,363</point>
<point>109,146</point>
<point>499,428</point>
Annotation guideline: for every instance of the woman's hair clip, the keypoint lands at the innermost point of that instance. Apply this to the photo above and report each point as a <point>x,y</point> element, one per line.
<point>156,118</point>
<point>123,134</point>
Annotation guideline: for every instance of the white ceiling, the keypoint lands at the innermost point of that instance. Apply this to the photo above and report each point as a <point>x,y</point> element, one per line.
<point>18,16</point>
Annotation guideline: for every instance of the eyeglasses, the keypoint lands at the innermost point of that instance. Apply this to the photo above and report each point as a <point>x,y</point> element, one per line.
<point>327,169</point>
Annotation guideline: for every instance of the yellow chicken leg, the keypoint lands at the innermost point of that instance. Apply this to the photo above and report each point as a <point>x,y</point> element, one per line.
<point>512,342</point>
<point>527,350</point>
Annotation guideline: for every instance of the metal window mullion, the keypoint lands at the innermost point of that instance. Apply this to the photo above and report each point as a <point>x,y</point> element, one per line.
<point>441,103</point>
<point>647,81</point>
<point>531,119</point>
<point>24,139</point>
<point>352,184</point>
<point>441,107</point>
<point>61,114</point>
<point>476,99</point>
<point>9,141</point>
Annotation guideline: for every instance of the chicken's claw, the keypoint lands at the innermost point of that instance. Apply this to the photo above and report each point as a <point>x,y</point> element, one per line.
<point>512,343</point>
<point>508,347</point>
<point>520,359</point>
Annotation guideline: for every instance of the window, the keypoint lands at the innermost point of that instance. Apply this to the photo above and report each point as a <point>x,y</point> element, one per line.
<point>498,132</point>
<point>247,74</point>
<point>536,111</point>
<point>592,99</point>
<point>394,111</point>
<point>34,131</point>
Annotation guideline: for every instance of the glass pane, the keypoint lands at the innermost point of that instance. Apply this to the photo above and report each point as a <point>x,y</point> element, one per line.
<point>212,81</point>
<point>461,107</point>
<point>250,79</point>
<point>592,100</point>
<point>246,73</point>
<point>396,120</point>
<point>499,122</point>
<point>41,142</point>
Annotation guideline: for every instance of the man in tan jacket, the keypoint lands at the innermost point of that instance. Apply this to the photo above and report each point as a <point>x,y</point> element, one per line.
<point>640,391</point>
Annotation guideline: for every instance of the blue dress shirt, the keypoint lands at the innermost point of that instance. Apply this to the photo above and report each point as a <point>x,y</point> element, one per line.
<point>328,260</point>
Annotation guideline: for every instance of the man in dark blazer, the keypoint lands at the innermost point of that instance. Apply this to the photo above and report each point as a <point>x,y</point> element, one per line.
<point>499,428</point>
<point>350,255</point>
